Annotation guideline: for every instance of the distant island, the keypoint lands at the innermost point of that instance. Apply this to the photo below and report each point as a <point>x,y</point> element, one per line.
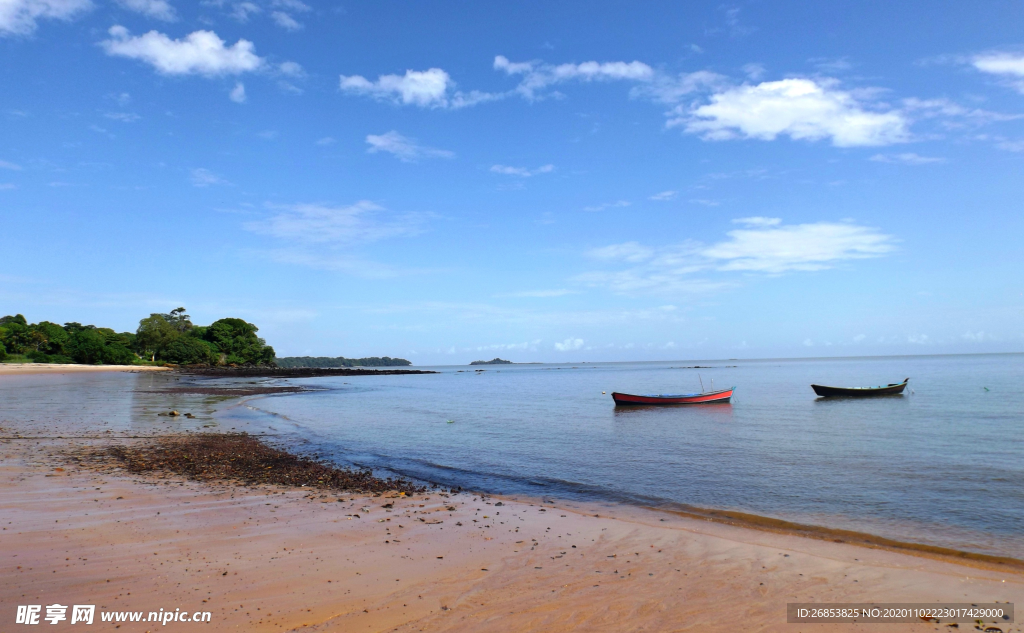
<point>496,361</point>
<point>291,362</point>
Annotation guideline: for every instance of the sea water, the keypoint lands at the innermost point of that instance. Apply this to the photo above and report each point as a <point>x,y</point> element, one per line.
<point>943,464</point>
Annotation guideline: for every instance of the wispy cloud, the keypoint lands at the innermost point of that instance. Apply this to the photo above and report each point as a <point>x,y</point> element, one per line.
<point>907,158</point>
<point>18,17</point>
<point>123,117</point>
<point>523,172</point>
<point>202,177</point>
<point>664,196</point>
<point>536,75</point>
<point>237,93</point>
<point>406,149</point>
<point>763,245</point>
<point>285,21</point>
<point>317,223</point>
<point>157,9</point>
<point>608,205</point>
<point>537,294</point>
<point>8,165</point>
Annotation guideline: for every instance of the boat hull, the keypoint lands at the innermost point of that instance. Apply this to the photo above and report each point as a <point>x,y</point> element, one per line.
<point>861,392</point>
<point>710,397</point>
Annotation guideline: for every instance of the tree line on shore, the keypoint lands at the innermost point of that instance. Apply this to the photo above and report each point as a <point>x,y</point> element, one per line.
<point>167,338</point>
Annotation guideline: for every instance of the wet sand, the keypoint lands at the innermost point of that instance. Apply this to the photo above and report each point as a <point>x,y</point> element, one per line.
<point>12,369</point>
<point>279,559</point>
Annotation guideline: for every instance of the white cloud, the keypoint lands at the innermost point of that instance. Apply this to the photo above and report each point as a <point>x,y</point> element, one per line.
<point>268,135</point>
<point>521,171</point>
<point>404,148</point>
<point>204,178</point>
<point>808,342</point>
<point>200,52</point>
<point>664,195</point>
<point>707,202</point>
<point>327,140</point>
<point>1003,64</point>
<point>315,223</point>
<point>6,186</point>
<point>427,88</point>
<point>859,338</point>
<point>18,17</point>
<point>158,9</point>
<point>764,245</point>
<point>238,93</point>
<point>770,247</point>
<point>608,205</point>
<point>907,158</point>
<point>569,344</point>
<point>285,21</point>
<point>800,108</point>
<point>7,165</point>
<point>538,75</point>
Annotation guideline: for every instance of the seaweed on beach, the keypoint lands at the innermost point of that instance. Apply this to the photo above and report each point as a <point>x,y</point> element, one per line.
<point>245,459</point>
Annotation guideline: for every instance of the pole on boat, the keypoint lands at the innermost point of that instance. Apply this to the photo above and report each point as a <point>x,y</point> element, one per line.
<point>701,383</point>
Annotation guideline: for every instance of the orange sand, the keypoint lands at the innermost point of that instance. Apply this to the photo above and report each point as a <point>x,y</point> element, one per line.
<point>280,560</point>
<point>10,369</point>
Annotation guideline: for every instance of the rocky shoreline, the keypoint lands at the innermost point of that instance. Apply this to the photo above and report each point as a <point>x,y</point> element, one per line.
<point>293,372</point>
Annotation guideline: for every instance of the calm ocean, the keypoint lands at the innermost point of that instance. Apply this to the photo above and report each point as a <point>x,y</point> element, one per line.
<point>942,464</point>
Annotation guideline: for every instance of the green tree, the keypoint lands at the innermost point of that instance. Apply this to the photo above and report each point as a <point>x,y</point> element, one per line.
<point>237,340</point>
<point>155,333</point>
<point>54,337</point>
<point>3,352</point>
<point>86,346</point>
<point>179,320</point>
<point>188,350</point>
<point>19,319</point>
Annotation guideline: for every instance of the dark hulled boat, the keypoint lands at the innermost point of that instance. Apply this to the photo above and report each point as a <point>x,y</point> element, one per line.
<point>891,389</point>
<point>706,397</point>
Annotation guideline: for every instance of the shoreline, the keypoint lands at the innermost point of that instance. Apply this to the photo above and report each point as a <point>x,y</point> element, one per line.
<point>270,558</point>
<point>19,369</point>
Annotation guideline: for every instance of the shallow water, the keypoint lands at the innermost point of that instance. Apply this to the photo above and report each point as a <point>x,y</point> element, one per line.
<point>943,465</point>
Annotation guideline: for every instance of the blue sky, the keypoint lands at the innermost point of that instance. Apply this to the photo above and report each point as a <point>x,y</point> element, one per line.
<point>542,181</point>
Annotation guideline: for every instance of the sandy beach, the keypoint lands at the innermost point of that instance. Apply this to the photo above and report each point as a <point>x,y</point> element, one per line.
<point>13,369</point>
<point>279,559</point>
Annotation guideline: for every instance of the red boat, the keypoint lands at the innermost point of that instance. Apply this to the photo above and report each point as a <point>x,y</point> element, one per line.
<point>706,397</point>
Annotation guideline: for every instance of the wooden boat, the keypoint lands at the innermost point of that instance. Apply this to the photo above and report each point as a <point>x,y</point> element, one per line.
<point>705,397</point>
<point>860,392</point>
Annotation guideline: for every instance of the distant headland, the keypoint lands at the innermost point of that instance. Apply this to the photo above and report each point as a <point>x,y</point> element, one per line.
<point>289,362</point>
<point>496,361</point>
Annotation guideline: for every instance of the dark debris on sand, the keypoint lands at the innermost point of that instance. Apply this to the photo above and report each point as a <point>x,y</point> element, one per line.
<point>244,459</point>
<point>230,391</point>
